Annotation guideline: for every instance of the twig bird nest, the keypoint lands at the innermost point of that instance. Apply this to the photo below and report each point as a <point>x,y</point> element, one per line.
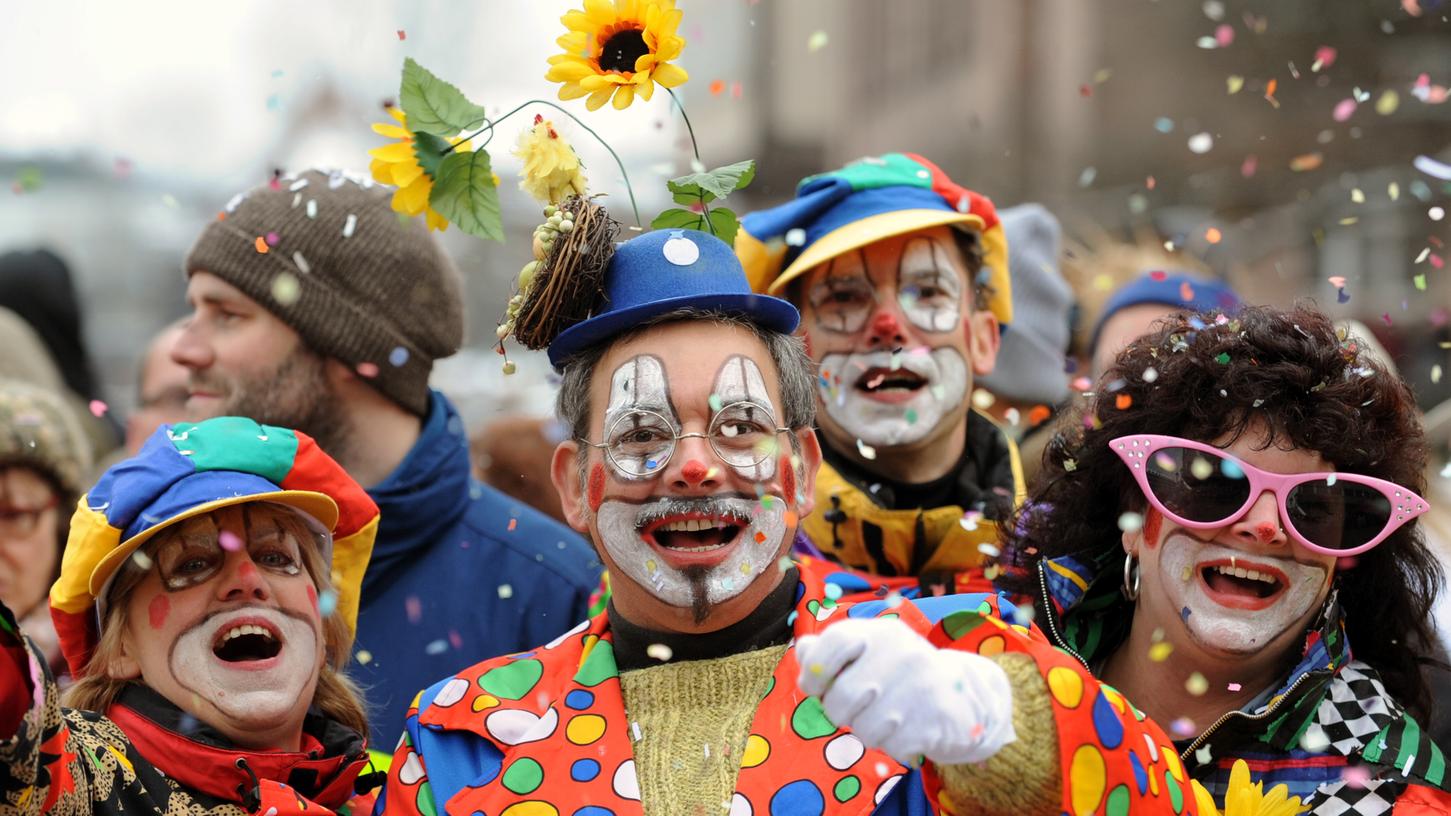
<point>577,243</point>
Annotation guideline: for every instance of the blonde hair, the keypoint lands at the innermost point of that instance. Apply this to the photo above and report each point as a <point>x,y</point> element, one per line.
<point>336,696</point>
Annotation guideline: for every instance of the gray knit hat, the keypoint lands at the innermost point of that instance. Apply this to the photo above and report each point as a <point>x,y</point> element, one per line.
<point>38,430</point>
<point>1030,361</point>
<point>326,253</point>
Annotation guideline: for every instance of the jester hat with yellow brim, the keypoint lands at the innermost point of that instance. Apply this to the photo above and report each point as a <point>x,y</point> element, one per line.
<point>191,469</point>
<point>867,201</point>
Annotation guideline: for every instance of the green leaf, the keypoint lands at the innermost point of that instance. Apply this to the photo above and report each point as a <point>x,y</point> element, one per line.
<point>713,184</point>
<point>678,219</point>
<point>429,150</point>
<point>465,193</point>
<point>435,106</point>
<point>724,224</point>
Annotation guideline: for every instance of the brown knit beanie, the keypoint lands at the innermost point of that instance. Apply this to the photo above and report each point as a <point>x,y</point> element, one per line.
<point>327,254</point>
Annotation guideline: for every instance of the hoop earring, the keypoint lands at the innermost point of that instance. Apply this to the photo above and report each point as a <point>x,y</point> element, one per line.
<point>1131,578</point>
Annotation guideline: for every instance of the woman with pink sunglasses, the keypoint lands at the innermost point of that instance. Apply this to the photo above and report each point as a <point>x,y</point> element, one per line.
<point>1228,537</point>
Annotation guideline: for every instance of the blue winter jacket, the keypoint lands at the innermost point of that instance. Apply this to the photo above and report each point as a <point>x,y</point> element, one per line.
<point>460,573</point>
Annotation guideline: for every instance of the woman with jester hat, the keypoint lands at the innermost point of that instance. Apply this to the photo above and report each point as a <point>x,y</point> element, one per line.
<point>901,276</point>
<point>206,605</point>
<point>1230,539</point>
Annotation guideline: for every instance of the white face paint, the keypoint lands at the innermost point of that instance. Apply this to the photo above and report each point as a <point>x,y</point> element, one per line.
<point>929,287</point>
<point>638,385</point>
<point>900,418</point>
<point>248,691</point>
<point>1229,628</point>
<point>743,398</point>
<point>623,525</point>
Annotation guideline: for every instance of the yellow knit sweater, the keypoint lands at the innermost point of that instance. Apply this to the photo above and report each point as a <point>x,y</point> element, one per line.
<point>694,718</point>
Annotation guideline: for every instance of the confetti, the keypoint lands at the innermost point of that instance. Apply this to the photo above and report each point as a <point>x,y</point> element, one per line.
<point>866,451</point>
<point>1436,213</point>
<point>1234,687</point>
<point>1201,143</point>
<point>1233,83</point>
<point>364,657</point>
<point>1164,124</point>
<point>1196,684</point>
<point>1224,36</point>
<point>1222,358</point>
<point>1182,727</point>
<point>402,35</point>
<point>1131,522</point>
<point>1250,164</point>
<point>141,559</point>
<point>506,591</point>
<point>368,370</point>
<point>817,41</point>
<point>285,289</point>
<point>229,541</point>
<point>1306,162</point>
<point>1070,465</point>
<point>1123,401</point>
<point>348,226</point>
<point>1355,776</point>
<point>261,245</point>
<point>1159,652</point>
<point>1213,235</point>
<point>1436,373</point>
<point>1344,109</point>
<point>413,608</point>
<point>1388,102</point>
<point>98,408</point>
<point>659,651</point>
<point>327,602</point>
<point>1432,168</point>
<point>436,647</point>
<point>398,356</point>
<point>1315,741</point>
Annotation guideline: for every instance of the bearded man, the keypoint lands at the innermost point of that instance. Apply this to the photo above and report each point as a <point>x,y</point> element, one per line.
<point>724,677</point>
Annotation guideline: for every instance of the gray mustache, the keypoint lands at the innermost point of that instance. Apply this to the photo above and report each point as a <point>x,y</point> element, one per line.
<point>737,509</point>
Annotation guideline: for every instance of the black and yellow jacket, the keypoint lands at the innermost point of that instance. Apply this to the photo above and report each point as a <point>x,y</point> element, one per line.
<point>932,531</point>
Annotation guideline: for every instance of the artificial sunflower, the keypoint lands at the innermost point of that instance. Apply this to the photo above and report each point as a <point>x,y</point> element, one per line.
<point>618,48</point>
<point>551,168</point>
<point>1248,799</point>
<point>397,164</point>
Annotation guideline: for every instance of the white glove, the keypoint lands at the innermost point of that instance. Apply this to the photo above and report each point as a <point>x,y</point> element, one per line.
<point>901,694</point>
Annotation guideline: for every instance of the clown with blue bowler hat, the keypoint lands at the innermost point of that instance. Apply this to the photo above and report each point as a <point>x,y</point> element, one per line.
<point>722,675</point>
<point>901,276</point>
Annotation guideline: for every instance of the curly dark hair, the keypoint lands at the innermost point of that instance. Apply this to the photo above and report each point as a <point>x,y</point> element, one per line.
<point>1204,377</point>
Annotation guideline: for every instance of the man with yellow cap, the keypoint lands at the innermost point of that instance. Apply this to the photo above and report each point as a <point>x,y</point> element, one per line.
<point>901,278</point>
<point>206,604</point>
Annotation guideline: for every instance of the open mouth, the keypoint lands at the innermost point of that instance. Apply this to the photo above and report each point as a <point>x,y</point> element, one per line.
<point>247,643</point>
<point>880,381</point>
<point>693,534</point>
<point>1240,585</point>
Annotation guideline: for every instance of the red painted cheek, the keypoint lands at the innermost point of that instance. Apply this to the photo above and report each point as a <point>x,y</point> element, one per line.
<point>788,479</point>
<point>1152,524</point>
<point>596,493</point>
<point>158,610</point>
<point>312,597</point>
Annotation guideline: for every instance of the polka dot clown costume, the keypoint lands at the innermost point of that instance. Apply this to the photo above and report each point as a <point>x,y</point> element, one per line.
<point>250,543</point>
<point>791,700</point>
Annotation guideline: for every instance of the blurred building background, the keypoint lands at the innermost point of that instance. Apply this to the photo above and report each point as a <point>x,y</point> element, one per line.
<point>1270,140</point>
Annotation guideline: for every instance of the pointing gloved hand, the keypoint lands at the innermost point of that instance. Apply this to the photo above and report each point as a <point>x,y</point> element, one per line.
<point>901,694</point>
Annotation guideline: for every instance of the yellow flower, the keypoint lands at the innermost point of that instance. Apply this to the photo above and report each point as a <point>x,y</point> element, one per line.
<point>620,49</point>
<point>397,164</point>
<point>551,168</point>
<point>1248,799</point>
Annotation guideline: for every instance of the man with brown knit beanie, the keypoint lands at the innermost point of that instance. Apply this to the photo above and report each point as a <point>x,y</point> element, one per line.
<point>315,307</point>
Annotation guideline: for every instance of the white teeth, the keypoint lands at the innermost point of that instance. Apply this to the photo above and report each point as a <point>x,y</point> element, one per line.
<point>246,629</point>
<point>1252,575</point>
<point>706,548</point>
<point>692,525</point>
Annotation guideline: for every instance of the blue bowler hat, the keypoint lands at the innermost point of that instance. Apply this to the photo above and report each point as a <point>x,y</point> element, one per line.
<point>665,270</point>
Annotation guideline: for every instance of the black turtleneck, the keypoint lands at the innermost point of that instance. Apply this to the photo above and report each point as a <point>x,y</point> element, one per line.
<point>767,625</point>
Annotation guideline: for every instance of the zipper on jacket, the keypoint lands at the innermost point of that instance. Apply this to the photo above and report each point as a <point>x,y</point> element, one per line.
<point>1199,740</point>
<point>1052,624</point>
